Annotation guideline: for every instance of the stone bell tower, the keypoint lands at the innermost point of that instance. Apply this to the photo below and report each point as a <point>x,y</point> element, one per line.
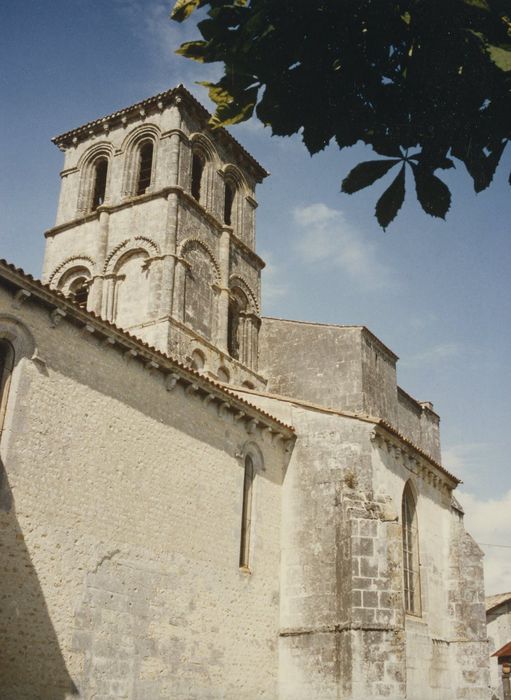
<point>155,233</point>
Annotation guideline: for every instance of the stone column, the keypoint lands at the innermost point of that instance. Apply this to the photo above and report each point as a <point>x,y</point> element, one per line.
<point>178,296</point>
<point>169,260</point>
<point>95,301</point>
<point>223,295</point>
<point>107,297</point>
<point>249,221</point>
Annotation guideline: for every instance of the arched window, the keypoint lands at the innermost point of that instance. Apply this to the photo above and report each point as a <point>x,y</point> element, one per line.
<point>238,305</point>
<point>246,513</point>
<point>230,192</point>
<point>6,367</point>
<point>79,291</point>
<point>233,322</point>
<point>198,164</point>
<point>198,360</point>
<point>99,187</point>
<point>411,576</point>
<point>145,166</point>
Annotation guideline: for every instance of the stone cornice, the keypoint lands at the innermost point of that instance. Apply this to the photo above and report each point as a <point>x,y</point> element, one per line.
<point>156,103</point>
<point>158,194</point>
<point>413,457</point>
<point>382,430</point>
<point>61,310</point>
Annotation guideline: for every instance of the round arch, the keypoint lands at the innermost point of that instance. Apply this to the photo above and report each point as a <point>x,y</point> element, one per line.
<point>129,244</point>
<point>80,262</point>
<point>190,243</point>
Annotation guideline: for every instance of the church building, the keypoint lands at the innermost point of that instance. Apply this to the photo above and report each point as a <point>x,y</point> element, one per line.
<point>197,501</point>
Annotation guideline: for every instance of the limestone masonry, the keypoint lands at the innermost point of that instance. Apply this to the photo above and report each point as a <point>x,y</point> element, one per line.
<point>198,502</point>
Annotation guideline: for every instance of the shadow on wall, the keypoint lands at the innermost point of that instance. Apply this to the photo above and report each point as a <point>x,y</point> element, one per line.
<point>31,663</point>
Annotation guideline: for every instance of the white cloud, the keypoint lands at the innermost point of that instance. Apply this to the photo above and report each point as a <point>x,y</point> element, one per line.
<point>489,523</point>
<point>326,237</point>
<point>151,24</point>
<point>274,283</point>
<point>466,458</point>
<point>433,354</point>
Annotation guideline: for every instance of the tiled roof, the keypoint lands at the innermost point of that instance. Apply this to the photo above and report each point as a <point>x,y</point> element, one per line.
<point>24,280</point>
<point>503,651</point>
<point>493,601</point>
<point>115,118</point>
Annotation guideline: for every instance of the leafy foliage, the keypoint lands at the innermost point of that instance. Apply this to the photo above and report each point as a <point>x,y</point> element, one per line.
<point>428,76</point>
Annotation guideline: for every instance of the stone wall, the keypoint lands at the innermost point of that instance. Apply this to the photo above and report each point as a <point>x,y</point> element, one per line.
<point>345,368</point>
<point>120,513</point>
<point>344,632</point>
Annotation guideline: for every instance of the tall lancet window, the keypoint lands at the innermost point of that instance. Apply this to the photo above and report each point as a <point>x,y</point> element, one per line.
<point>6,367</point>
<point>100,174</point>
<point>411,576</point>
<point>145,166</point>
<point>197,172</point>
<point>229,194</point>
<point>246,513</point>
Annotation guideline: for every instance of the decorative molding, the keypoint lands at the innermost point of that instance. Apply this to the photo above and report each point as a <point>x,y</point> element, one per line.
<point>130,355</point>
<point>56,316</point>
<point>223,408</point>
<point>68,264</point>
<point>116,254</point>
<point>245,287</point>
<point>188,243</point>
<point>251,426</point>
<point>419,465</point>
<point>19,297</point>
<point>171,380</point>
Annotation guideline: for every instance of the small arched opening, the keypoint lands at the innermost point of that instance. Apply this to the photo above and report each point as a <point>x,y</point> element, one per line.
<point>145,166</point>
<point>100,173</point>
<point>198,164</point>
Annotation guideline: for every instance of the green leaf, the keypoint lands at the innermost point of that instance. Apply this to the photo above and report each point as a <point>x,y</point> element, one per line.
<point>235,111</point>
<point>433,194</point>
<point>196,50</point>
<point>481,4</point>
<point>391,200</point>
<point>500,55</point>
<point>184,8</point>
<point>217,93</point>
<point>364,174</point>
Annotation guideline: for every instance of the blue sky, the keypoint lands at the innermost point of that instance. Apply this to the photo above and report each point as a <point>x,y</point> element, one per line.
<point>437,293</point>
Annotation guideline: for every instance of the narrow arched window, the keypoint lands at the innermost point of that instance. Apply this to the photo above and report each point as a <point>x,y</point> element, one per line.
<point>230,192</point>
<point>197,171</point>
<point>411,576</point>
<point>6,367</point>
<point>145,166</point>
<point>246,513</point>
<point>100,174</point>
<point>233,322</point>
<point>80,292</point>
